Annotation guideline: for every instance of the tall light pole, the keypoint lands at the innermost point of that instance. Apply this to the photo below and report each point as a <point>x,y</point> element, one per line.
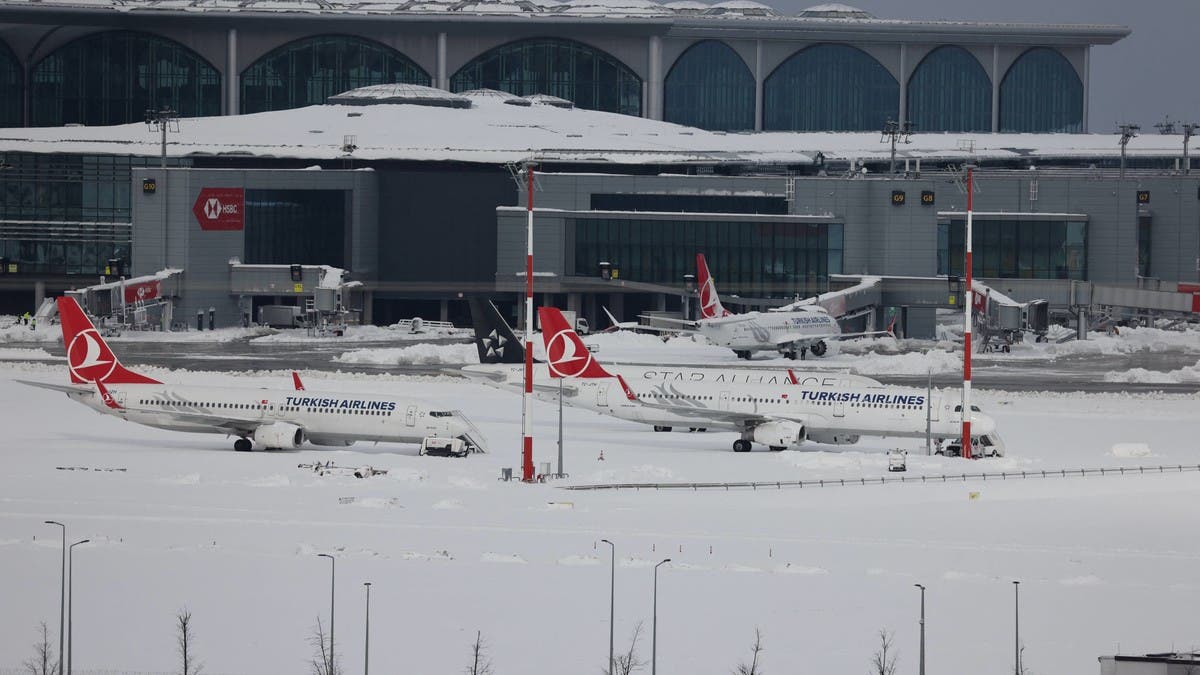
<point>333,579</point>
<point>612,585</point>
<point>367,633</point>
<point>968,311</point>
<point>654,623</point>
<point>527,393</point>
<point>1128,132</point>
<point>1017,628</point>
<point>921,667</point>
<point>62,593</point>
<point>71,599</point>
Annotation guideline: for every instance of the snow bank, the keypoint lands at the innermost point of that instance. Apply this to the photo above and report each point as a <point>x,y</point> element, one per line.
<point>1187,374</point>
<point>422,355</point>
<point>357,334</point>
<point>15,354</point>
<point>21,333</point>
<point>1130,450</point>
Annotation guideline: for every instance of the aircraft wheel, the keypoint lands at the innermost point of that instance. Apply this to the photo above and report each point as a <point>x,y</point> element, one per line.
<point>661,428</point>
<point>819,348</point>
<point>743,354</point>
<point>741,445</point>
<point>778,448</point>
<point>702,429</point>
<point>242,445</point>
<point>791,354</point>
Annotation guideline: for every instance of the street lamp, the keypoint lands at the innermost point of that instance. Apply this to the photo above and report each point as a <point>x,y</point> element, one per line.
<point>62,593</point>
<point>654,622</point>
<point>921,670</point>
<point>71,599</point>
<point>367,633</point>
<point>612,584</point>
<point>332,580</point>
<point>1017,628</point>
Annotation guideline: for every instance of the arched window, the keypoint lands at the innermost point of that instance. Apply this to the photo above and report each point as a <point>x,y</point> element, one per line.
<point>115,76</point>
<point>590,78</point>
<point>10,88</point>
<point>310,70</point>
<point>710,87</point>
<point>950,91</point>
<point>830,87</point>
<point>1041,93</point>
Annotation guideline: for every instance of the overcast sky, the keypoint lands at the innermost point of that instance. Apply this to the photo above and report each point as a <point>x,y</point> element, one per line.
<point>1147,76</point>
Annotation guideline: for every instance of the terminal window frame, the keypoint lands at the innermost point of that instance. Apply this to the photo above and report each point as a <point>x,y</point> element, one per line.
<point>1016,248</point>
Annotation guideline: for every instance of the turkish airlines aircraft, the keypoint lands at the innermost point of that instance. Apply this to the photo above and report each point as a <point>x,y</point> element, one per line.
<point>272,419</point>
<point>789,332</point>
<point>501,357</point>
<point>776,416</point>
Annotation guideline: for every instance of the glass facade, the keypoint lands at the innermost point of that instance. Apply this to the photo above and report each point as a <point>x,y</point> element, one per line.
<point>1016,249</point>
<point>584,75</point>
<point>1041,93</point>
<point>710,87</point>
<point>1144,225</point>
<point>690,203</point>
<point>830,87</point>
<point>66,214</point>
<point>304,227</point>
<point>749,256</point>
<point>950,91</point>
<point>10,88</point>
<point>115,76</point>
<point>308,71</point>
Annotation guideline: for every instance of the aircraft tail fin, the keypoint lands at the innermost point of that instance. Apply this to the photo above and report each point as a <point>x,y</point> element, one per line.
<point>710,302</point>
<point>296,382</point>
<point>566,354</point>
<point>89,358</point>
<point>494,339</point>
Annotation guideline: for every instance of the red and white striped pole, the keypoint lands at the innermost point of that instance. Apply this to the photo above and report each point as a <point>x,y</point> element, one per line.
<point>968,311</point>
<point>526,396</point>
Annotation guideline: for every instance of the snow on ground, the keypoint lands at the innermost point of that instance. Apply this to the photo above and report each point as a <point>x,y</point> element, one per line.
<point>1180,375</point>
<point>451,550</point>
<point>19,354</point>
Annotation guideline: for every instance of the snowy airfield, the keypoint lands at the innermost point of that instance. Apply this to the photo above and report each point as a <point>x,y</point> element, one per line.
<point>1103,561</point>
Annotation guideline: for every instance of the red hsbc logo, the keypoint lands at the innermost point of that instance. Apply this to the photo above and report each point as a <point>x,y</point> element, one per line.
<point>220,208</point>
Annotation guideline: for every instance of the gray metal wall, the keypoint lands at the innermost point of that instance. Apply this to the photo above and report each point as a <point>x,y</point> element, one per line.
<point>166,233</point>
<point>886,239</point>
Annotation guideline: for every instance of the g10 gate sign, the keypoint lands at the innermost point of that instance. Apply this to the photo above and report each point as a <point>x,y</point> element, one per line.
<point>220,209</point>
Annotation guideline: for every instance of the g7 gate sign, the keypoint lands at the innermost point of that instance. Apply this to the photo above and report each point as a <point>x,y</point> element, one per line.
<point>220,208</point>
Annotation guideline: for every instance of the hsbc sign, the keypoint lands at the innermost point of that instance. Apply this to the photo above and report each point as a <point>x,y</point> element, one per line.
<point>220,209</point>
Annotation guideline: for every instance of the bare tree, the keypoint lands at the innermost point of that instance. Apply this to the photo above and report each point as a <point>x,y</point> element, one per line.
<point>624,664</point>
<point>752,667</point>
<point>884,660</point>
<point>184,639</point>
<point>323,662</point>
<point>481,664</point>
<point>42,662</point>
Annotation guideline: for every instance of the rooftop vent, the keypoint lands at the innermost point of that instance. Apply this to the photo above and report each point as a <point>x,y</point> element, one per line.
<point>413,94</point>
<point>740,8</point>
<point>547,99</point>
<point>687,7</point>
<point>495,94</point>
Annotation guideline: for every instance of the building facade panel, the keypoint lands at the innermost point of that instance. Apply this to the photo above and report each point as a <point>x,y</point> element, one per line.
<point>830,87</point>
<point>1041,93</point>
<point>709,86</point>
<point>950,91</point>
<point>12,82</point>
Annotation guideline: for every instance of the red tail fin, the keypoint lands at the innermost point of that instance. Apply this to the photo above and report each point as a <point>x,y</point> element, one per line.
<point>710,302</point>
<point>566,354</point>
<point>89,358</point>
<point>296,381</point>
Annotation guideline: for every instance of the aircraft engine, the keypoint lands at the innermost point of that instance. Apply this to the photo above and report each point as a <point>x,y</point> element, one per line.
<point>279,435</point>
<point>780,433</point>
<point>834,439</point>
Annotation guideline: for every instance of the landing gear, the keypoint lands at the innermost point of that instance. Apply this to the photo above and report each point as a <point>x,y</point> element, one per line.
<point>242,445</point>
<point>660,428</point>
<point>742,353</point>
<point>777,448</point>
<point>791,354</point>
<point>820,348</point>
<point>741,445</point>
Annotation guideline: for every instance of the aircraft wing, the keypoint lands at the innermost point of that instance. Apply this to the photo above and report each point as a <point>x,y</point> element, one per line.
<point>232,425</point>
<point>809,338</point>
<point>64,388</point>
<point>567,389</point>
<point>742,420</point>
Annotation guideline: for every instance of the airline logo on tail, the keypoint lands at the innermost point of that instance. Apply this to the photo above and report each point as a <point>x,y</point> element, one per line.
<point>566,354</point>
<point>89,358</point>
<point>710,302</point>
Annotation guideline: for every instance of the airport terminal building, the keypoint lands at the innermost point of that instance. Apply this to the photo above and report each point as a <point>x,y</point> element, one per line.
<point>658,130</point>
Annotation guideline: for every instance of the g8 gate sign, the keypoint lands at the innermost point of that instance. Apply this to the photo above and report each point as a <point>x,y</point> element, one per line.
<point>220,208</point>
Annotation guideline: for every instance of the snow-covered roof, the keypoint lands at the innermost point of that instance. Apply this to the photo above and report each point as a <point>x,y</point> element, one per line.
<point>511,99</point>
<point>493,132</point>
<point>547,99</point>
<point>834,10</point>
<point>740,8</point>
<point>401,93</point>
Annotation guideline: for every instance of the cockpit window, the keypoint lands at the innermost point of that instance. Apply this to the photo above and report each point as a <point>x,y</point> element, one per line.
<point>440,413</point>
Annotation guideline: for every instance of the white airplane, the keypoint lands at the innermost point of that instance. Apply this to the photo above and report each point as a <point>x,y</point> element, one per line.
<point>501,357</point>
<point>776,416</point>
<point>271,419</point>
<point>791,332</point>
